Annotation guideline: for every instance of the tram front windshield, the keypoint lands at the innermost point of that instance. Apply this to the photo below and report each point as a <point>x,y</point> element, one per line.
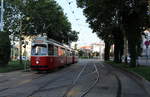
<point>39,49</point>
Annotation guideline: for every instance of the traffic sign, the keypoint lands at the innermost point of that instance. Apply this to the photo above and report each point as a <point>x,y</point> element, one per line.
<point>147,43</point>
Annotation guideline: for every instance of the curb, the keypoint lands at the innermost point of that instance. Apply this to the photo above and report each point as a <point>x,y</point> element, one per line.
<point>139,79</point>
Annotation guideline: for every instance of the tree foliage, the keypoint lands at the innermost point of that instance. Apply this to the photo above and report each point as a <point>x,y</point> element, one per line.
<point>38,17</point>
<point>119,19</point>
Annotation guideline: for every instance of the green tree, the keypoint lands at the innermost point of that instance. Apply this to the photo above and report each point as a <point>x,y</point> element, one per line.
<point>11,16</point>
<point>103,22</point>
<point>135,20</point>
<point>119,44</point>
<point>129,16</point>
<point>38,17</point>
<point>34,17</point>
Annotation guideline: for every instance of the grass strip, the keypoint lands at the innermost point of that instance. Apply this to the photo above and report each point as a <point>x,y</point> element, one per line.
<point>13,66</point>
<point>143,71</point>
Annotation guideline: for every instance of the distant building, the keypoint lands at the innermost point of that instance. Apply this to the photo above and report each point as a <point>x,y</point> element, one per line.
<point>98,48</point>
<point>87,50</point>
<point>26,48</point>
<point>94,50</point>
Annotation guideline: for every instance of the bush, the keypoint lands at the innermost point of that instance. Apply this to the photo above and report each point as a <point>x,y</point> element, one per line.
<point>4,48</point>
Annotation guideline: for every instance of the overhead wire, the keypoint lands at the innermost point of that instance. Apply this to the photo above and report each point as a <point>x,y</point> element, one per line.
<point>73,12</point>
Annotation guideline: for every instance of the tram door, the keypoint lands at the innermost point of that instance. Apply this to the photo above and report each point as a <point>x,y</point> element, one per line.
<point>53,54</point>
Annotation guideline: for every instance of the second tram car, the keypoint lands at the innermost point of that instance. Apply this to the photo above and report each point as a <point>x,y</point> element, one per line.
<point>74,56</point>
<point>49,54</point>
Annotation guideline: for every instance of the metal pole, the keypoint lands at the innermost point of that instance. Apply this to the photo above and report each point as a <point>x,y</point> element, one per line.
<point>25,65</point>
<point>146,55</point>
<point>2,13</point>
<point>147,52</point>
<point>99,51</point>
<point>20,42</point>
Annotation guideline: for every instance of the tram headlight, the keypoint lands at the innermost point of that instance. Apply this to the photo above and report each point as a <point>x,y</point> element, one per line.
<point>37,62</point>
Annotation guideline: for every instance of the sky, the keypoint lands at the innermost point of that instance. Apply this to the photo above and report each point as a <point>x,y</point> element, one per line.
<point>78,21</point>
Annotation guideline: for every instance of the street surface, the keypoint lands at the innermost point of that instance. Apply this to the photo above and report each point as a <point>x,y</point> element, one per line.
<point>87,78</point>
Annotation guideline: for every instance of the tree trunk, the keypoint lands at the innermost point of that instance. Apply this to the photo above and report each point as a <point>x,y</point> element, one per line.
<point>133,52</point>
<point>107,51</point>
<point>116,53</point>
<point>119,44</point>
<point>125,50</point>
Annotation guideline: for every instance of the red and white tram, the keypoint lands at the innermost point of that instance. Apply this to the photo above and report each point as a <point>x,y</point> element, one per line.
<point>49,54</point>
<point>74,56</point>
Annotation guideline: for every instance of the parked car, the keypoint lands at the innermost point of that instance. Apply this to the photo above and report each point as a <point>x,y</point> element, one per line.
<point>23,58</point>
<point>128,59</point>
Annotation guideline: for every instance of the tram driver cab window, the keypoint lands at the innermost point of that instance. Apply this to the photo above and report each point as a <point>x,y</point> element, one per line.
<point>39,49</point>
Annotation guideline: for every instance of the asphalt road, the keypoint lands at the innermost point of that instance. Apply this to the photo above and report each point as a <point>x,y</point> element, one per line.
<point>88,78</point>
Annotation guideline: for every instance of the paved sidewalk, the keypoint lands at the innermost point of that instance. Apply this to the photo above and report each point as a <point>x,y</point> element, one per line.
<point>144,61</point>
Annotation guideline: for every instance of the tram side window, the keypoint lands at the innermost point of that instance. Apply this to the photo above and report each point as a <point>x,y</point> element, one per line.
<point>62,52</point>
<point>50,49</point>
<point>68,53</point>
<point>55,51</point>
<point>76,54</point>
<point>71,54</point>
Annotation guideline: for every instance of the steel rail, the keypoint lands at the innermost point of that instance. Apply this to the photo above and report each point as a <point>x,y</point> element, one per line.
<point>77,78</point>
<point>75,81</point>
<point>98,77</point>
<point>45,84</point>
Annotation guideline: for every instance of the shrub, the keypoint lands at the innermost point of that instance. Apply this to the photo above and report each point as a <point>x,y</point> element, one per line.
<point>5,48</point>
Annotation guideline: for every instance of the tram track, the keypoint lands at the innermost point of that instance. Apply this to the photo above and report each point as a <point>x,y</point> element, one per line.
<point>89,80</point>
<point>91,71</point>
<point>119,88</point>
<point>88,90</point>
<point>7,88</point>
<point>40,89</point>
<point>66,94</point>
<point>42,75</point>
<point>43,86</point>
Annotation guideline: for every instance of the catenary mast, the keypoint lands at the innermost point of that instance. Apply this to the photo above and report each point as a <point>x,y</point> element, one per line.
<point>2,13</point>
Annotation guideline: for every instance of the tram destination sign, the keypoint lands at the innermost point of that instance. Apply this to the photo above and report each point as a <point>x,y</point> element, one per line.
<point>39,40</point>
